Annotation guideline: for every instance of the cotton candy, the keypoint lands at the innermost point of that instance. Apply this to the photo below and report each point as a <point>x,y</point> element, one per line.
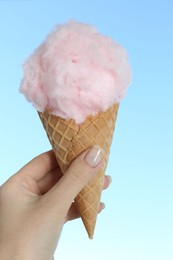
<point>76,72</point>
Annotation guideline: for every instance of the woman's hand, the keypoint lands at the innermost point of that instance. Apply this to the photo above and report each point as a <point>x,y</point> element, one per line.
<point>37,201</point>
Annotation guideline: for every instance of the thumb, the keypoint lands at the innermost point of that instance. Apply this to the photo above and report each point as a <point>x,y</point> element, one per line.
<point>81,171</point>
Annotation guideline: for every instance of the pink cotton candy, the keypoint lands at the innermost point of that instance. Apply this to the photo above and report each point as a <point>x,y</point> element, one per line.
<point>76,72</point>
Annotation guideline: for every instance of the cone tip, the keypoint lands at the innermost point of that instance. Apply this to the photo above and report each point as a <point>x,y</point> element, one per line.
<point>90,232</point>
<point>90,236</point>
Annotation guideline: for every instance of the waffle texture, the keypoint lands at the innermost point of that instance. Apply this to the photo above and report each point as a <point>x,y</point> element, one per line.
<point>68,140</point>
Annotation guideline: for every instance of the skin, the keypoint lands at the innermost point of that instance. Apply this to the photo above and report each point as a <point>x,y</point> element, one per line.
<point>34,207</point>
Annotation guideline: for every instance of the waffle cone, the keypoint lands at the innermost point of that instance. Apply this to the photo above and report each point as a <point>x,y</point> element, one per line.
<point>68,140</point>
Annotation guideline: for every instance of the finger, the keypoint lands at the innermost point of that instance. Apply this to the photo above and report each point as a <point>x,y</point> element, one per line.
<point>81,171</point>
<point>107,181</point>
<point>49,180</point>
<point>40,165</point>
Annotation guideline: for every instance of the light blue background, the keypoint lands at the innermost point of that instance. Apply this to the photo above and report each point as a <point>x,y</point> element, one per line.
<point>137,223</point>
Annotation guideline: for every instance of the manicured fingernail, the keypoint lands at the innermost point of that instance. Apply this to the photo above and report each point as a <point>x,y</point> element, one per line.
<point>102,205</point>
<point>94,156</point>
<point>109,178</point>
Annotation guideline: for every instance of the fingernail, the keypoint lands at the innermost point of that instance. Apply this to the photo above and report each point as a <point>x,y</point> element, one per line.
<point>94,156</point>
<point>102,205</point>
<point>109,178</point>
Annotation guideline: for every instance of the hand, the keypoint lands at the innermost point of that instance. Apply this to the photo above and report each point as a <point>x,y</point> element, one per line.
<point>34,206</point>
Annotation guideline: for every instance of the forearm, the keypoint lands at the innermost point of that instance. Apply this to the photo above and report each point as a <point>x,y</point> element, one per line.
<point>10,253</point>
<point>13,250</point>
